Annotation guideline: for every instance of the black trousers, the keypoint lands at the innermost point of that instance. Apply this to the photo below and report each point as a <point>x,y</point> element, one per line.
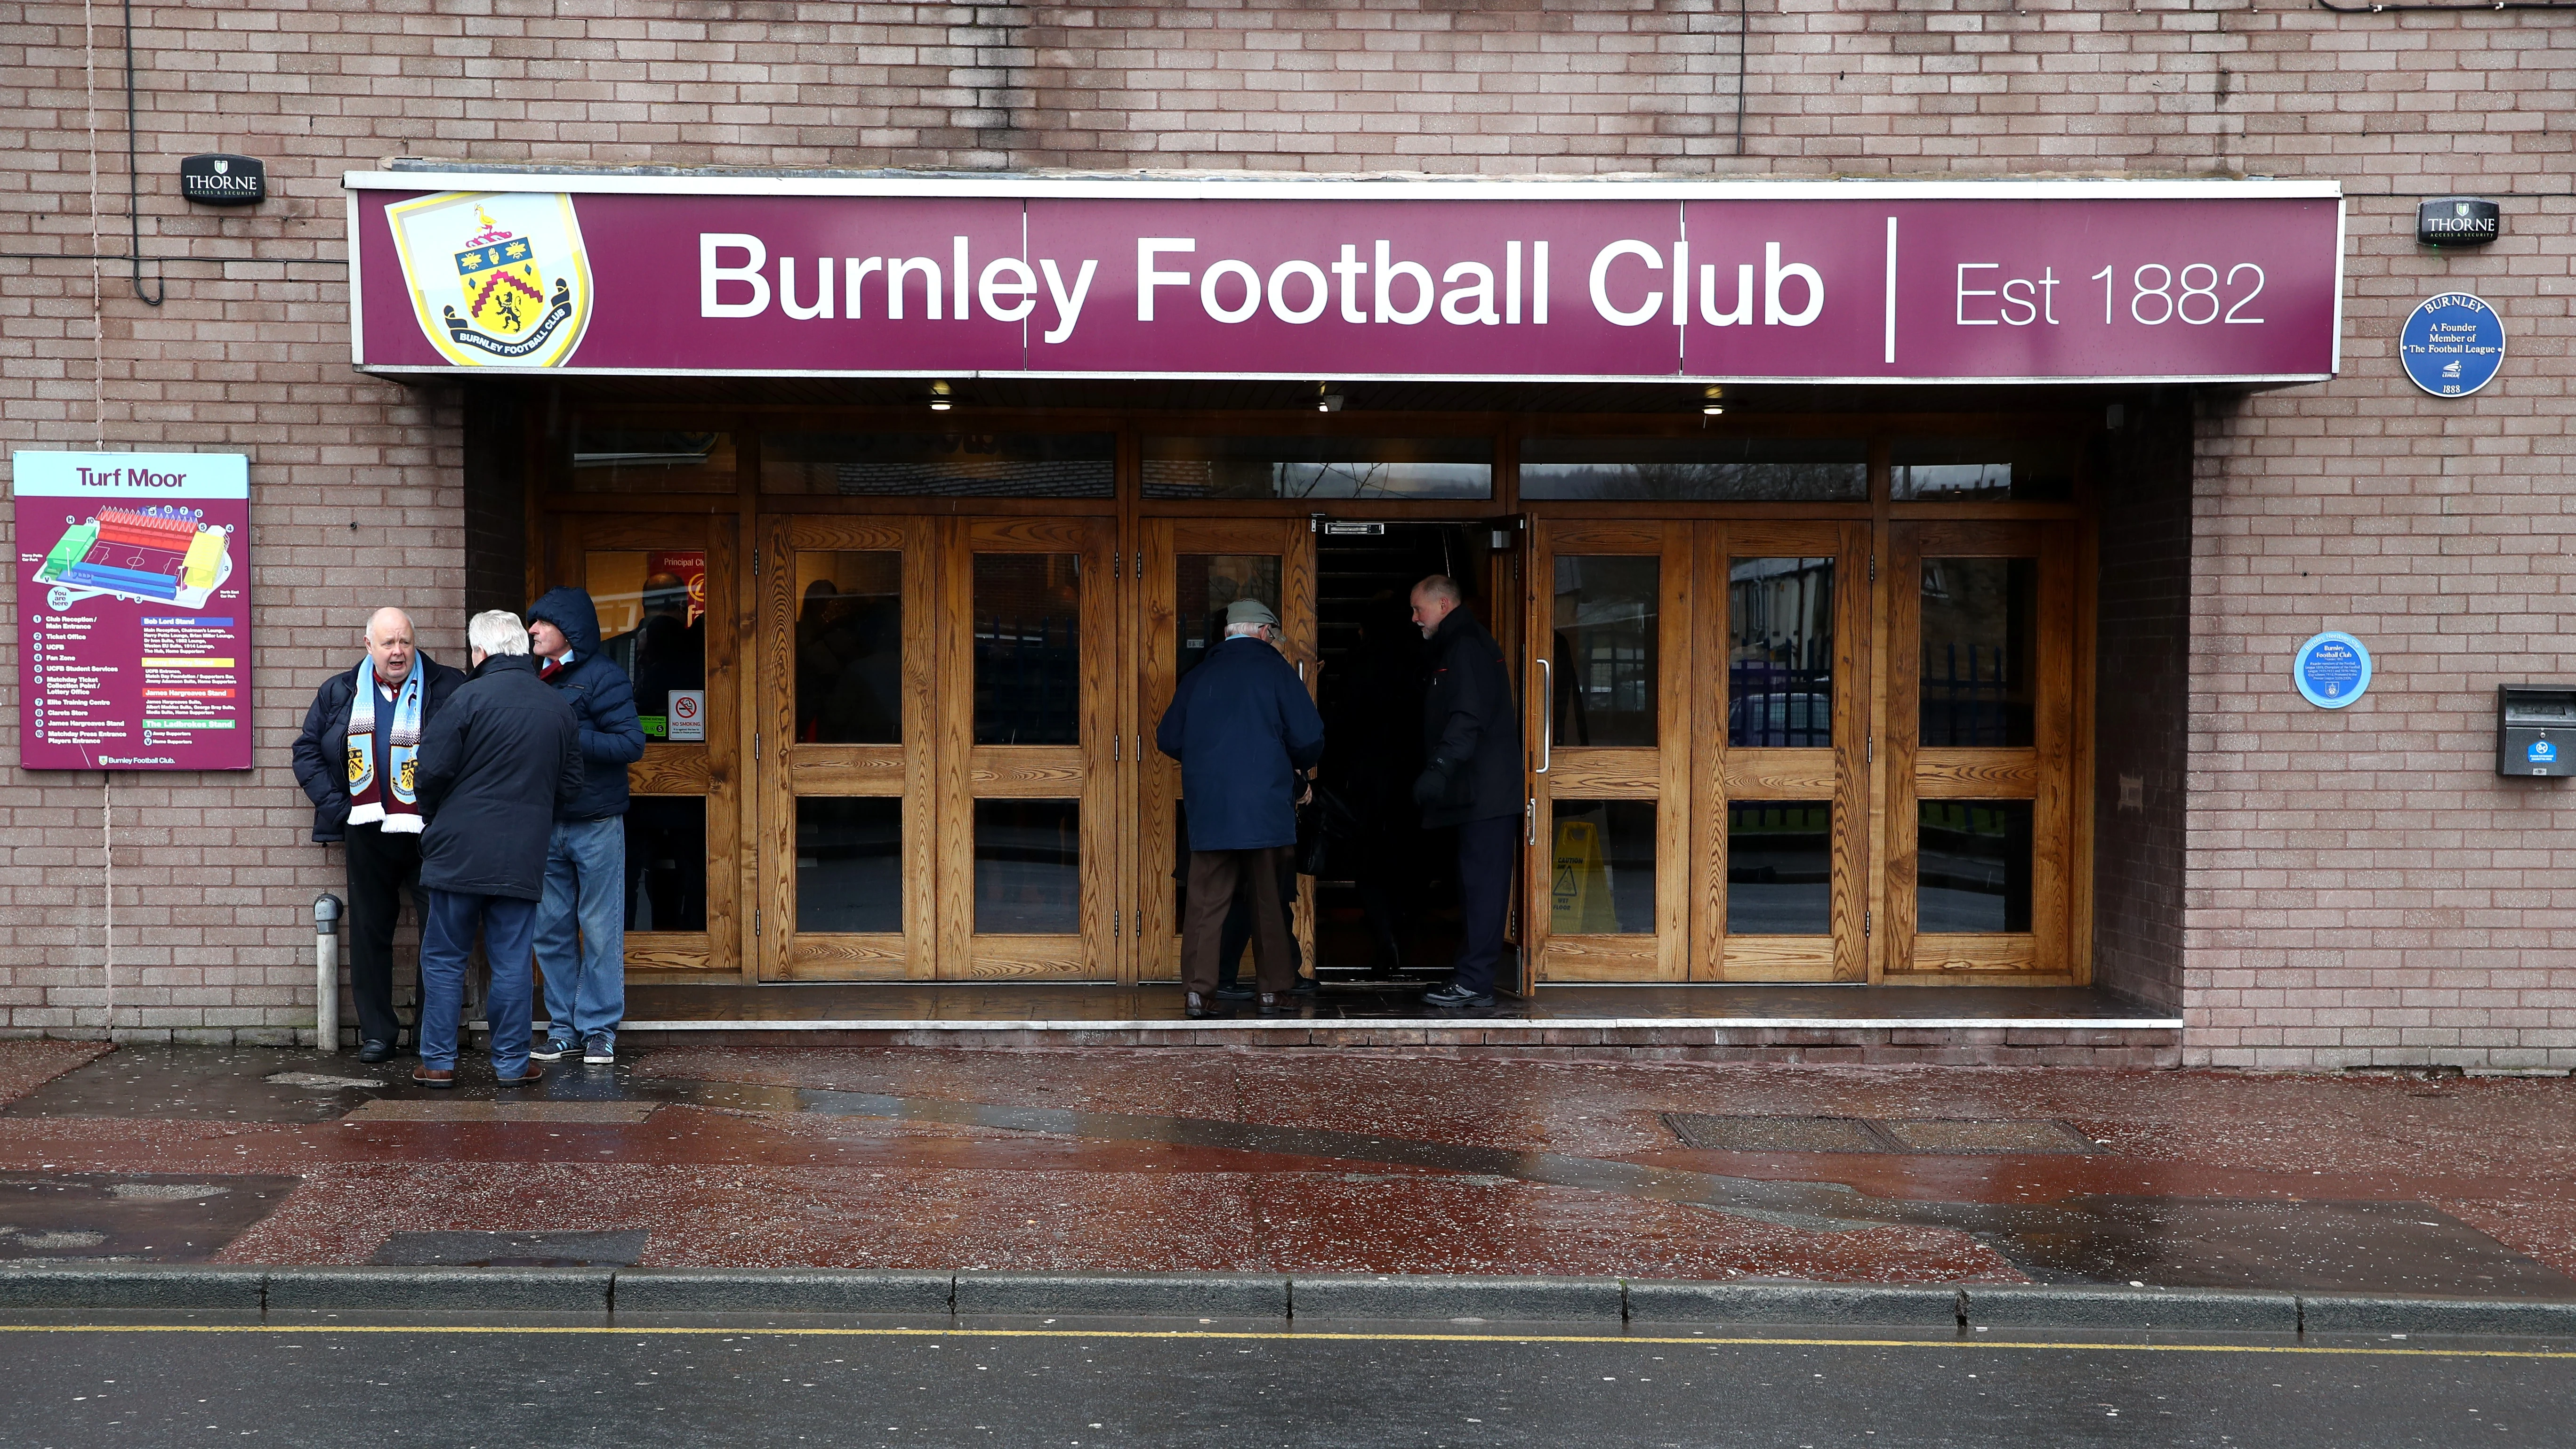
<point>1485,859</point>
<point>380,865</point>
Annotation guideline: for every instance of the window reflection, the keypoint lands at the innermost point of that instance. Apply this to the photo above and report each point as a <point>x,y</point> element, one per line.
<point>1028,867</point>
<point>1779,868</point>
<point>1697,469</point>
<point>1980,651</point>
<point>1972,866</point>
<point>653,623</point>
<point>945,465</point>
<point>650,460</point>
<point>1982,469</point>
<point>1780,652</point>
<point>849,647</point>
<point>1603,872</point>
<point>666,863</point>
<point>1239,467</point>
<point>1028,645</point>
<point>1207,583</point>
<point>1604,650</point>
<point>849,863</point>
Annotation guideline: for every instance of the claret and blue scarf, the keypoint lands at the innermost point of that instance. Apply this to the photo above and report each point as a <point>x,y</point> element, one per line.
<point>385,794</point>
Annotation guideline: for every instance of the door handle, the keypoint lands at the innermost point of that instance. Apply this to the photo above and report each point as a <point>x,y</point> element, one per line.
<point>1547,715</point>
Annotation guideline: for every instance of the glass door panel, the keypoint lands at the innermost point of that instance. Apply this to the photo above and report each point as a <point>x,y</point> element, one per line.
<point>1027,830</point>
<point>1609,814</point>
<point>1980,739</point>
<point>659,584</point>
<point>847,781</point>
<point>1782,735</point>
<point>1191,570</point>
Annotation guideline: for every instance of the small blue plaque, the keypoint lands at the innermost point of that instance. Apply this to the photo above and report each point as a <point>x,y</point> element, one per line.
<point>2332,670</point>
<point>2542,752</point>
<point>2452,345</point>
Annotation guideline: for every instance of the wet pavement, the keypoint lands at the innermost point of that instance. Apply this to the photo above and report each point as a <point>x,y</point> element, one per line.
<point>327,1383</point>
<point>1300,1162</point>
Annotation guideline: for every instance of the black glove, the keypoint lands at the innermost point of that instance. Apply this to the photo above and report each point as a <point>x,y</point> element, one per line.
<point>1432,786</point>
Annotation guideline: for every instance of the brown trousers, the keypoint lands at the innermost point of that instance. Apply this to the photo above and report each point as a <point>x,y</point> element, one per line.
<point>1213,875</point>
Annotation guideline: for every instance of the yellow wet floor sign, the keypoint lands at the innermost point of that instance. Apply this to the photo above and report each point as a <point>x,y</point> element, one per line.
<point>1580,883</point>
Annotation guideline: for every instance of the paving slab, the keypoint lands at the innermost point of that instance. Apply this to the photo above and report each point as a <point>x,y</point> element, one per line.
<point>783,1290</point>
<point>492,1290</point>
<point>1447,1296</point>
<point>1897,1306</point>
<point>1206,1295</point>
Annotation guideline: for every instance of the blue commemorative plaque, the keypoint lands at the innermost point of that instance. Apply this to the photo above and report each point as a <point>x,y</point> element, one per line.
<point>2452,345</point>
<point>2332,670</point>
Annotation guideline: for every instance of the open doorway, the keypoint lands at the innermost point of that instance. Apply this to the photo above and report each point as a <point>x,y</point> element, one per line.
<point>1386,900</point>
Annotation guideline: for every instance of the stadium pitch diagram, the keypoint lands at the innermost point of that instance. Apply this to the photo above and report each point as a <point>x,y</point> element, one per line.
<point>165,554</point>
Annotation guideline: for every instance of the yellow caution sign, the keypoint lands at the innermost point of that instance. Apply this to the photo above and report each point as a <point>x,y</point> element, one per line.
<point>1580,883</point>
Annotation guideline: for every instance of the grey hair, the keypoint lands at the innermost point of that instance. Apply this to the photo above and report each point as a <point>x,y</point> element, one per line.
<point>1246,630</point>
<point>497,631</point>
<point>1440,586</point>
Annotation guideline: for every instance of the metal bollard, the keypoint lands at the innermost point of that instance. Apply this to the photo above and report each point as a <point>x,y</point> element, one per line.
<point>326,972</point>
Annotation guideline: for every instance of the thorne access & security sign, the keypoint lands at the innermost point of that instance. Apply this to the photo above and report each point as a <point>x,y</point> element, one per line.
<point>133,574</point>
<point>1037,277</point>
<point>2332,669</point>
<point>2452,344</point>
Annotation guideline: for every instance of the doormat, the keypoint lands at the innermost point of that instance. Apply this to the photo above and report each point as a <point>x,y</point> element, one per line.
<point>1925,1136</point>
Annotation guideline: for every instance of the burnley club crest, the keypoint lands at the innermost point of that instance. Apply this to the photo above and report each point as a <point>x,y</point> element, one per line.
<point>515,289</point>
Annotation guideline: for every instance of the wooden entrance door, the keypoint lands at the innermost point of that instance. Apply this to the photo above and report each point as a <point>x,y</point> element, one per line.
<point>850,713</point>
<point>1027,713</point>
<point>1981,750</point>
<point>1781,724</point>
<point>1191,570</point>
<point>1609,713</point>
<point>664,585</point>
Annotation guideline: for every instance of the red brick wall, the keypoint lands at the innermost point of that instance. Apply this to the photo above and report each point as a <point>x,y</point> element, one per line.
<point>2359,887</point>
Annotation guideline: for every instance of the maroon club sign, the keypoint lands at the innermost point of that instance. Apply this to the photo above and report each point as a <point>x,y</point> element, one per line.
<point>1842,282</point>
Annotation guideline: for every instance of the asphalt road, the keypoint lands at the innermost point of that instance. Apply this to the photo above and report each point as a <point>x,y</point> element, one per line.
<point>487,1386</point>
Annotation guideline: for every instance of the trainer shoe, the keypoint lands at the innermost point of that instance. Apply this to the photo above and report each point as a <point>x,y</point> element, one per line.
<point>600,1050</point>
<point>555,1049</point>
<point>1453,995</point>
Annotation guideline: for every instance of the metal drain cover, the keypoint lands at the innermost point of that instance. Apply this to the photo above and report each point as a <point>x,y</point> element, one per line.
<point>1976,1136</point>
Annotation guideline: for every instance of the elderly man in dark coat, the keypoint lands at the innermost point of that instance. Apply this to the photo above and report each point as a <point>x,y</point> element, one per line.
<point>493,768</point>
<point>1242,727</point>
<point>1471,740</point>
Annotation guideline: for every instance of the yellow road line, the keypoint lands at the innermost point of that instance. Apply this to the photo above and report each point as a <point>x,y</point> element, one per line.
<point>1312,1337</point>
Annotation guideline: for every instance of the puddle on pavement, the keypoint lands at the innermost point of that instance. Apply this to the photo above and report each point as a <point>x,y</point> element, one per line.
<point>2172,1242</point>
<point>86,1217</point>
<point>512,1250</point>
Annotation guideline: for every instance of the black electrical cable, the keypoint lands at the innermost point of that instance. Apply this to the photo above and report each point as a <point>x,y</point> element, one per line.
<point>134,176</point>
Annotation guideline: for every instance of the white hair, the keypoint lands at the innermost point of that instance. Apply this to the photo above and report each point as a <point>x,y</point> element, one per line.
<point>497,631</point>
<point>1244,630</point>
<point>1440,586</point>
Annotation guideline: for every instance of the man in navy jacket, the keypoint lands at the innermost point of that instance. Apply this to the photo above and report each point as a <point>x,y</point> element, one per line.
<point>581,924</point>
<point>1242,727</point>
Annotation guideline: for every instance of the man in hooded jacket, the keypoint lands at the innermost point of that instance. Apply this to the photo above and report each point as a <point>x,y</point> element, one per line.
<point>491,768</point>
<point>581,923</point>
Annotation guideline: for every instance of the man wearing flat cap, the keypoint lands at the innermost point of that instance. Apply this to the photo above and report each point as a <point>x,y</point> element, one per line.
<point>1243,728</point>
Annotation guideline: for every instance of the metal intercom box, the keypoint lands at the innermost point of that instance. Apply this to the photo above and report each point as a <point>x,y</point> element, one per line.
<point>2536,729</point>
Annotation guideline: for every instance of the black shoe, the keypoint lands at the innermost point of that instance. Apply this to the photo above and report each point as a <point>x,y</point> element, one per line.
<point>1198,1008</point>
<point>372,1052</point>
<point>1277,1005</point>
<point>1306,986</point>
<point>1234,993</point>
<point>1453,995</point>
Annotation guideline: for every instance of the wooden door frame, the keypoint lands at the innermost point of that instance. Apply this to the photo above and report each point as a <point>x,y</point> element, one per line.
<point>968,772</point>
<point>2051,772</point>
<point>1156,787</point>
<point>710,771</point>
<point>1840,775</point>
<point>1609,772</point>
<point>788,769</point>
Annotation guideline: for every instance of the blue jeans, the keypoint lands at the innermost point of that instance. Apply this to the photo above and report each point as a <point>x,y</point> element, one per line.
<point>581,928</point>
<point>506,924</point>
